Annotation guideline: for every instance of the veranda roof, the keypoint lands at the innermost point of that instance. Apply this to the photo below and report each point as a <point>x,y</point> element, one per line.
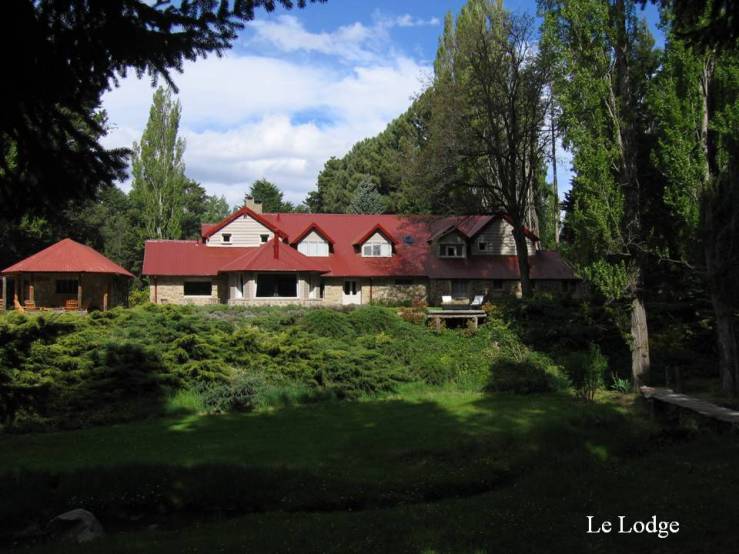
<point>67,256</point>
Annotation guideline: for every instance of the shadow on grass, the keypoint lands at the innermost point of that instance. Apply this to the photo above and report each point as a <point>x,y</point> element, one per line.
<point>334,457</point>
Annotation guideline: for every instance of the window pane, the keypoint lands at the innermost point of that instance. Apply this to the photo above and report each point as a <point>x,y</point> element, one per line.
<point>271,285</point>
<point>198,288</point>
<point>376,249</point>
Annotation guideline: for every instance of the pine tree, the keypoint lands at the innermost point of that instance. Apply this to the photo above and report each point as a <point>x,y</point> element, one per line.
<point>159,180</point>
<point>69,54</point>
<point>270,196</point>
<point>366,199</point>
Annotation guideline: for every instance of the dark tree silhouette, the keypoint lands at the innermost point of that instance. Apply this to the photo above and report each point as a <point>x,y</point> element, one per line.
<point>61,55</point>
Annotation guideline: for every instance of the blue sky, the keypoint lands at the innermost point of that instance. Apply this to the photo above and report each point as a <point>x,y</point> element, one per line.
<point>299,87</point>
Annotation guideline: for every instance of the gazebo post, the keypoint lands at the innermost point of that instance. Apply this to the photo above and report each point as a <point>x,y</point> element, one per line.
<point>16,299</point>
<point>5,292</point>
<point>31,291</point>
<point>106,294</point>
<point>79,292</point>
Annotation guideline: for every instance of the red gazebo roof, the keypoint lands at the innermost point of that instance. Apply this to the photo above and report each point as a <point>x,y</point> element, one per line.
<point>67,256</point>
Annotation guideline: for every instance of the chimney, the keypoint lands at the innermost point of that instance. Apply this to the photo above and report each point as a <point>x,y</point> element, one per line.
<point>253,205</point>
<point>276,247</point>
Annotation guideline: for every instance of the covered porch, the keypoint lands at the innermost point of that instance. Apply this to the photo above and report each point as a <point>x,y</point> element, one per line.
<point>65,276</point>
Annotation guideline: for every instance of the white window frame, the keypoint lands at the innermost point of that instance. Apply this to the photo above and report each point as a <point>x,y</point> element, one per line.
<point>314,248</point>
<point>377,250</point>
<point>443,250</point>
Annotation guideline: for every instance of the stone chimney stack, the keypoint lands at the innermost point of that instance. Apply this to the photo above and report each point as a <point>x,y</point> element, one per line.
<point>253,205</point>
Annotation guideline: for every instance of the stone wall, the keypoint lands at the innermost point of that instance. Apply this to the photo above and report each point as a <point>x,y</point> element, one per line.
<point>170,290</point>
<point>386,290</point>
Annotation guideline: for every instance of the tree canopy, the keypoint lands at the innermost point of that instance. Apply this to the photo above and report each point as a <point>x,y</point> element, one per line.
<point>64,56</point>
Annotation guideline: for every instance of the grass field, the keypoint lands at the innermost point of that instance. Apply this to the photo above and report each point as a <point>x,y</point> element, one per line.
<point>422,470</point>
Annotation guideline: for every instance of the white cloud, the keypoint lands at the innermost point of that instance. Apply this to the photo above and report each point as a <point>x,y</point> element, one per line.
<point>408,20</point>
<point>247,116</point>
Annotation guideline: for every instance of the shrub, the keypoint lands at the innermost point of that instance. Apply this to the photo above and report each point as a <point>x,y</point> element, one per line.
<point>237,394</point>
<point>620,384</point>
<point>525,374</point>
<point>137,297</point>
<point>373,319</point>
<point>586,371</point>
<point>327,323</point>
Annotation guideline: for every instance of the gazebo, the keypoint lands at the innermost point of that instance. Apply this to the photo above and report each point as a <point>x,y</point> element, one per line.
<point>66,275</point>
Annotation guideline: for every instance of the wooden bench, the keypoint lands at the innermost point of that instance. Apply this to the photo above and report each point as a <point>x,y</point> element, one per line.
<point>702,407</point>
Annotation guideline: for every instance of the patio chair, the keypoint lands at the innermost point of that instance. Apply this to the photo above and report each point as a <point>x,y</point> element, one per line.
<point>477,301</point>
<point>446,299</point>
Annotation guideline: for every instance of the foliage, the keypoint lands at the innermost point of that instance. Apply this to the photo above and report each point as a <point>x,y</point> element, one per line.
<point>81,50</point>
<point>108,365</point>
<point>158,169</point>
<point>620,384</point>
<point>525,374</point>
<point>365,199</point>
<point>270,196</point>
<point>137,297</point>
<point>586,371</point>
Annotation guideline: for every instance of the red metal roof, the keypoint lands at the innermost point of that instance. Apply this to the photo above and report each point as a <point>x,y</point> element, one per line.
<point>378,228</point>
<point>276,256</point>
<point>211,229</point>
<point>187,257</point>
<point>312,227</point>
<point>67,256</point>
<point>412,256</point>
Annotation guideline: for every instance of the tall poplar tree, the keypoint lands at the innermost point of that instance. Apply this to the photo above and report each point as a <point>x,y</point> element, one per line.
<point>159,180</point>
<point>695,108</point>
<point>487,132</point>
<point>603,60</point>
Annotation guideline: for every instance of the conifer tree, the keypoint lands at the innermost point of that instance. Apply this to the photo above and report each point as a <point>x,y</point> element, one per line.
<point>159,180</point>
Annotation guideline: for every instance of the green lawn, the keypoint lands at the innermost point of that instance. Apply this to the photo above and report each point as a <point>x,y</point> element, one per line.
<point>424,470</point>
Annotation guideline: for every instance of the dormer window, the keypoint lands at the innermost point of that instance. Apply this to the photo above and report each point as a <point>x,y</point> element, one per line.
<point>482,246</point>
<point>226,238</point>
<point>264,238</point>
<point>451,250</point>
<point>377,250</point>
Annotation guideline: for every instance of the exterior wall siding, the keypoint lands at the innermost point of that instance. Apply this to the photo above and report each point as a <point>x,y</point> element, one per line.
<point>498,239</point>
<point>244,231</point>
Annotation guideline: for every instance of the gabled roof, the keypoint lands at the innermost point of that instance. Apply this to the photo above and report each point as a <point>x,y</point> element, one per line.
<point>312,227</point>
<point>377,228</point>
<point>210,230</point>
<point>482,224</point>
<point>275,256</point>
<point>67,256</point>
<point>451,228</point>
<point>187,257</point>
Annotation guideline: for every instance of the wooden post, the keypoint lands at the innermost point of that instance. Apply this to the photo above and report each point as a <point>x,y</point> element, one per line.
<point>31,292</point>
<point>437,323</point>
<point>155,291</point>
<point>5,293</point>
<point>17,286</point>
<point>79,292</point>
<point>106,294</point>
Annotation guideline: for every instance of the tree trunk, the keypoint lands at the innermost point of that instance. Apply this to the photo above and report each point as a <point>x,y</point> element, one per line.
<point>639,342</point>
<point>522,253</point>
<point>718,228</point>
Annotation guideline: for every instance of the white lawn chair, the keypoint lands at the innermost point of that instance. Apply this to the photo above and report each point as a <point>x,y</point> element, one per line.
<point>477,301</point>
<point>446,299</point>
